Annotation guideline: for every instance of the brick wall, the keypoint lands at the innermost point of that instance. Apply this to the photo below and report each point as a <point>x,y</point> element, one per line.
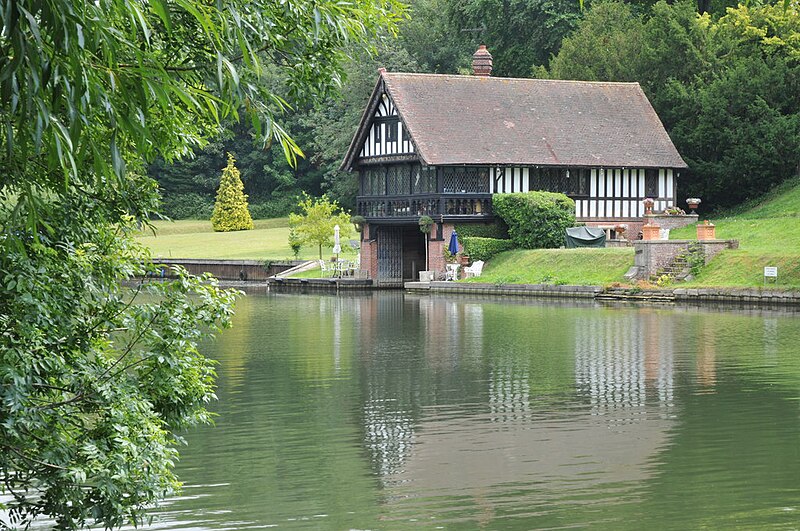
<point>369,254</point>
<point>436,261</point>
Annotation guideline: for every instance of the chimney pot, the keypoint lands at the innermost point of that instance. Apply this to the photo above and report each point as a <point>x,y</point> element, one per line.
<point>482,62</point>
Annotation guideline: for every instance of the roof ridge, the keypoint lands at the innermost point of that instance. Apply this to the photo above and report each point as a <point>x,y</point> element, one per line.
<point>484,78</point>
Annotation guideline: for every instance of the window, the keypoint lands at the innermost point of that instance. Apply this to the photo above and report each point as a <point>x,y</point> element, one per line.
<point>651,183</point>
<point>465,180</point>
<point>391,131</point>
<point>423,180</point>
<point>377,128</point>
<point>569,181</point>
<point>374,181</point>
<point>397,179</point>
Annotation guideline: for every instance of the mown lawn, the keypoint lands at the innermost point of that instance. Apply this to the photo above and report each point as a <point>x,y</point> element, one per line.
<point>558,266</point>
<point>196,239</point>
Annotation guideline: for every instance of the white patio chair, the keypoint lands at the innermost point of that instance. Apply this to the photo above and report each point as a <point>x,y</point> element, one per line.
<point>452,272</point>
<point>326,271</point>
<point>475,269</point>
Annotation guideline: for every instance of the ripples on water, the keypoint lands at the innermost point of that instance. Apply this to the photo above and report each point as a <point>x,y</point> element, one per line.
<point>385,411</point>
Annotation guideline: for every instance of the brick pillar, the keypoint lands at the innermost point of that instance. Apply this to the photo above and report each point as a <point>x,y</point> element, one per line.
<point>651,232</point>
<point>369,255</point>
<point>436,261</point>
<point>706,231</point>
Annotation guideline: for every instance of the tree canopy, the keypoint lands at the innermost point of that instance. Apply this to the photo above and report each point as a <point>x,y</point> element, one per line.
<point>95,381</point>
<point>678,51</point>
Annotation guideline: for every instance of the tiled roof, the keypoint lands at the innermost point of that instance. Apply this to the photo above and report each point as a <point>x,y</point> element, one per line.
<point>491,120</point>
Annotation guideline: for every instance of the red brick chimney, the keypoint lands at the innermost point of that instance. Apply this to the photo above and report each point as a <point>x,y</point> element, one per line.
<point>482,62</point>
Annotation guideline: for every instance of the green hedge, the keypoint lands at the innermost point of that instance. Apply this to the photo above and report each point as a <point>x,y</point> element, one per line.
<point>497,229</point>
<point>535,219</point>
<point>484,248</point>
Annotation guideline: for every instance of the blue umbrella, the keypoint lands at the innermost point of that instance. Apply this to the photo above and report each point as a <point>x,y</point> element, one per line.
<point>453,247</point>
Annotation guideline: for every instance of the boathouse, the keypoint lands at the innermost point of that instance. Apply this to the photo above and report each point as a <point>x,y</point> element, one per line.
<point>441,145</point>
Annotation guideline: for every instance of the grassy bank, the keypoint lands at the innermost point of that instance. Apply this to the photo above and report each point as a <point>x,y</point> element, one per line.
<point>558,266</point>
<point>769,235</point>
<point>196,239</point>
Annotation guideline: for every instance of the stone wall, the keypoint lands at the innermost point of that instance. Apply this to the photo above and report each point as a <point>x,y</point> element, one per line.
<point>652,255</point>
<point>244,270</point>
<point>671,222</point>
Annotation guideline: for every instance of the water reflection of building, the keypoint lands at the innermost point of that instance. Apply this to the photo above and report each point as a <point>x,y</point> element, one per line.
<point>617,359</point>
<point>389,435</point>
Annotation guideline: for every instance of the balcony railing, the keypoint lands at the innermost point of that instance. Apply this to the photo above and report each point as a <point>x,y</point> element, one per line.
<point>437,206</point>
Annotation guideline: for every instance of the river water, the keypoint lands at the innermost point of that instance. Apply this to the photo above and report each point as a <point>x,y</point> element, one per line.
<point>384,410</point>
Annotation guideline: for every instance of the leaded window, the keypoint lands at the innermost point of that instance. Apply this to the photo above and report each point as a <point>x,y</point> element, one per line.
<point>465,179</point>
<point>423,180</point>
<point>651,183</point>
<point>570,181</point>
<point>398,179</point>
<point>374,181</point>
<point>391,131</point>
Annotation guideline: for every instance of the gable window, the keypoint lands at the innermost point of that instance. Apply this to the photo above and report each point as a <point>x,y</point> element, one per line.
<point>391,131</point>
<point>377,129</point>
<point>405,136</point>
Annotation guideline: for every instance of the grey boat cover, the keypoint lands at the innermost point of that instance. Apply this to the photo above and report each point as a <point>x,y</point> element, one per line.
<point>585,237</point>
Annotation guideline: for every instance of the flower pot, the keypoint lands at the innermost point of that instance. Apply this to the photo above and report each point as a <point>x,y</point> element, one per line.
<point>651,232</point>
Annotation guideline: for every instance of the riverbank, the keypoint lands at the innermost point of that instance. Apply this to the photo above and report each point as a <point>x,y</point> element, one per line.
<point>715,295</point>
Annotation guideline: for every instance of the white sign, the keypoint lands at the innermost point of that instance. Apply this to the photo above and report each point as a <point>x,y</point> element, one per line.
<point>771,272</point>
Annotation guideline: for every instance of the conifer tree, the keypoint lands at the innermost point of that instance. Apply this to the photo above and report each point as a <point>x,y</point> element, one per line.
<point>230,210</point>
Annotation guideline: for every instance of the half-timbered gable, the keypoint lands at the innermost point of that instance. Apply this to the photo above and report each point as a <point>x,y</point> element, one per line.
<point>382,134</point>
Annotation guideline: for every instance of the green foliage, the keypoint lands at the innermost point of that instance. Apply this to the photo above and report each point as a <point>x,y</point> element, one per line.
<point>496,229</point>
<point>315,224</point>
<point>425,224</point>
<point>605,47</point>
<point>278,207</point>
<point>725,88</point>
<point>187,206</point>
<point>484,248</point>
<point>295,243</point>
<point>95,378</point>
<point>230,209</point>
<point>535,219</point>
<point>94,382</point>
<point>519,33</point>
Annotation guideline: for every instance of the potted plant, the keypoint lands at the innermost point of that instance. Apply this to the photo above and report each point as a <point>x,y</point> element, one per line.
<point>648,206</point>
<point>693,203</point>
<point>425,227</point>
<point>358,222</point>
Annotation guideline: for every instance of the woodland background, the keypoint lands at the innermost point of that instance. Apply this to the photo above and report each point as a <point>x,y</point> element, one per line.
<point>724,79</point>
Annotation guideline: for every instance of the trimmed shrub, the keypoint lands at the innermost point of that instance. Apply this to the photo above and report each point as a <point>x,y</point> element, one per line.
<point>230,209</point>
<point>484,248</point>
<point>535,220</point>
<point>497,229</point>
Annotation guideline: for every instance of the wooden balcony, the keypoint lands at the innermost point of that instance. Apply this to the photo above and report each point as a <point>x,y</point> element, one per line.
<point>441,207</point>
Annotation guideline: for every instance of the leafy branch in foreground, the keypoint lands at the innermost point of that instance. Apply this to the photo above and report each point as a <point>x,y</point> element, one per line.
<point>97,379</point>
